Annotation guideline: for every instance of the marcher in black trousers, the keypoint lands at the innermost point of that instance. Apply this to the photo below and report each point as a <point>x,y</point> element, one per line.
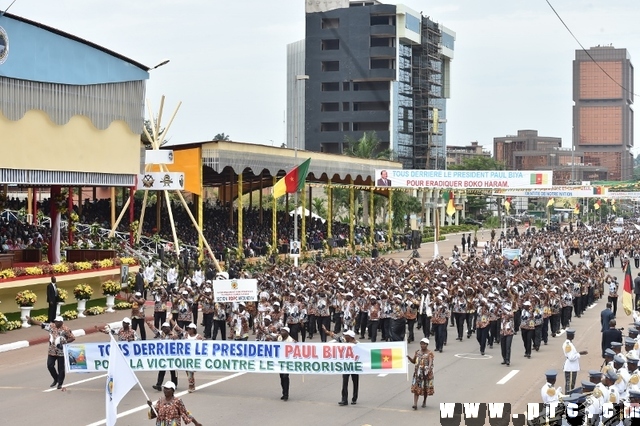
<point>355,378</point>
<point>505,347</point>
<point>284,383</point>
<point>482,335</point>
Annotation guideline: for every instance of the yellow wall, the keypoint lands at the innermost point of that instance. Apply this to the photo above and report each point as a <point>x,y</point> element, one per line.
<point>36,143</point>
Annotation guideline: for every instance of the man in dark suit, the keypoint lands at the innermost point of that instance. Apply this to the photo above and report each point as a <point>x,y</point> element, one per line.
<point>139,281</point>
<point>612,334</point>
<point>52,300</point>
<point>605,316</point>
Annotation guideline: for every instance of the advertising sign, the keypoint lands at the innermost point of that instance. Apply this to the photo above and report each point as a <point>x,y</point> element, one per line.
<point>244,290</point>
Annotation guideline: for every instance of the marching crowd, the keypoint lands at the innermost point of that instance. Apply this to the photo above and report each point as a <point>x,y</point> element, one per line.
<point>535,294</point>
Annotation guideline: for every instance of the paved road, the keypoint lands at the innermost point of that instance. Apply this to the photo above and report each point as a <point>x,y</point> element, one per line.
<point>461,375</point>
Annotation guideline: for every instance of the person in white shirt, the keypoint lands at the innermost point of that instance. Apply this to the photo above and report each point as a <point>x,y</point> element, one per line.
<point>284,378</point>
<point>198,276</point>
<point>548,393</point>
<point>172,277</point>
<point>572,361</point>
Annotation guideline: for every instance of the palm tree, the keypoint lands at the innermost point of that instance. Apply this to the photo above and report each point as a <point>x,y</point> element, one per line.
<point>368,146</point>
<point>222,137</point>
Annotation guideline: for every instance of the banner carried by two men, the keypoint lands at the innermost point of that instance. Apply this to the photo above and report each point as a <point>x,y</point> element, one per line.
<point>241,356</point>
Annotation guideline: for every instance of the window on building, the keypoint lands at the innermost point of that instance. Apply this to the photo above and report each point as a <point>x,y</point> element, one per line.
<point>330,23</point>
<point>371,85</point>
<point>377,64</point>
<point>331,44</point>
<point>329,66</point>
<point>345,106</point>
<point>330,106</point>
<point>346,86</point>
<point>371,125</point>
<point>330,87</point>
<point>371,106</point>
<point>383,20</point>
<point>346,127</point>
<point>383,42</point>
<point>329,127</point>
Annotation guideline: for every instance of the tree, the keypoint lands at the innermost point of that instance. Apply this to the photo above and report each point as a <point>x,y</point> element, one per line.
<point>221,137</point>
<point>318,207</point>
<point>478,203</point>
<point>403,205</point>
<point>368,146</point>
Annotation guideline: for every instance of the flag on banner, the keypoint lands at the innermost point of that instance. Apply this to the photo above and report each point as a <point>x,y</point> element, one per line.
<point>539,179</point>
<point>507,204</point>
<point>627,291</point>
<point>293,181</point>
<point>550,202</point>
<point>576,210</point>
<point>596,205</point>
<point>598,190</point>
<point>448,198</point>
<point>386,358</point>
<point>613,205</point>
<point>120,380</point>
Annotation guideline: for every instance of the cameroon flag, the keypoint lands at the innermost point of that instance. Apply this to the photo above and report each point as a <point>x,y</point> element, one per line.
<point>627,290</point>
<point>386,358</point>
<point>293,181</point>
<point>539,179</point>
<point>448,199</point>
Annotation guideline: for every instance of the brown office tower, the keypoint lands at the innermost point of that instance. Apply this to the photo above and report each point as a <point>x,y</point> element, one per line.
<point>602,113</point>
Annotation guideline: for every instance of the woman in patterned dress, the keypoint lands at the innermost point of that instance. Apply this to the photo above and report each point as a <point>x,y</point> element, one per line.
<point>170,411</point>
<point>422,382</point>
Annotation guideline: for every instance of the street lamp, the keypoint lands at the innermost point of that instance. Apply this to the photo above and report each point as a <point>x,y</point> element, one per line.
<point>164,62</point>
<point>295,153</point>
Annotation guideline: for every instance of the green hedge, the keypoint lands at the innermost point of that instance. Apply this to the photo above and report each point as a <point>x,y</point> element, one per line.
<point>454,229</point>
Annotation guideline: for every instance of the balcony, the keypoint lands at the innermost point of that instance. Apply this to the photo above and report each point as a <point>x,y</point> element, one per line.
<point>383,30</point>
<point>382,52</point>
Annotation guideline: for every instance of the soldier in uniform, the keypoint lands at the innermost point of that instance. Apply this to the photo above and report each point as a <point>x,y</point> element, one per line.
<point>623,376</point>
<point>572,361</point>
<point>548,393</point>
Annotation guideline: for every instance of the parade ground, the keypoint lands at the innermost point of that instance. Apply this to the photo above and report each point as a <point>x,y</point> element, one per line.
<point>461,375</point>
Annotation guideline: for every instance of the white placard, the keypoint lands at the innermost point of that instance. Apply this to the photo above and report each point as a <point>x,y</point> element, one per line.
<point>241,290</point>
<point>157,181</point>
<point>158,156</point>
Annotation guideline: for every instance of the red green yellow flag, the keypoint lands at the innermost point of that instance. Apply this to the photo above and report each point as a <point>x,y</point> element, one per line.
<point>448,198</point>
<point>627,290</point>
<point>293,181</point>
<point>386,358</point>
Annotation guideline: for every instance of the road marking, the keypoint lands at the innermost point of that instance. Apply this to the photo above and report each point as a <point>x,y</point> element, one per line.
<point>76,383</point>
<point>145,406</point>
<point>473,356</point>
<point>508,377</point>
<point>592,306</point>
<point>560,333</point>
<point>383,375</point>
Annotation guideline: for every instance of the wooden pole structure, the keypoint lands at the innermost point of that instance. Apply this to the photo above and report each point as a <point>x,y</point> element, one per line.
<point>113,206</point>
<point>132,192</point>
<point>173,224</point>
<point>69,212</point>
<point>117,222</point>
<point>144,208</point>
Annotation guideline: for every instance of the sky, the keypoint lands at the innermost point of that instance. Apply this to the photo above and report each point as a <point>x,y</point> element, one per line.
<point>512,67</point>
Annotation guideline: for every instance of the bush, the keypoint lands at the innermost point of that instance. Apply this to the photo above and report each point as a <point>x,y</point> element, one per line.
<point>96,310</point>
<point>26,298</point>
<point>41,318</point>
<point>70,315</point>
<point>121,306</point>
<point>111,288</point>
<point>83,292</point>
<point>82,266</point>
<point>14,325</point>
<point>7,273</point>
<point>3,323</point>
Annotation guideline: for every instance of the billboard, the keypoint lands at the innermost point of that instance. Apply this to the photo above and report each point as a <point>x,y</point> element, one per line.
<point>464,179</point>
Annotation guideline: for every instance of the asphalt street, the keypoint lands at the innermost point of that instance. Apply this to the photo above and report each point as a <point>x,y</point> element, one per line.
<point>461,375</point>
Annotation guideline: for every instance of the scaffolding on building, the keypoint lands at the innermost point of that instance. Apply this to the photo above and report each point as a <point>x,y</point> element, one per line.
<point>428,145</point>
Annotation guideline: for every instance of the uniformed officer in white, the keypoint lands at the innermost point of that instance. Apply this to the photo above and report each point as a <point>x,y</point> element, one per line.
<point>623,376</point>
<point>609,381</point>
<point>634,374</point>
<point>592,404</point>
<point>548,393</point>
<point>572,361</point>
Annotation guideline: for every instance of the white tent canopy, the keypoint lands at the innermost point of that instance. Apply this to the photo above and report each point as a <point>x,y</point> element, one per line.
<point>306,213</point>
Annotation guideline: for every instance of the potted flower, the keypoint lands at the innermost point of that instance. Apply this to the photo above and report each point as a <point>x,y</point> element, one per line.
<point>82,293</point>
<point>62,297</point>
<point>3,323</point>
<point>110,288</point>
<point>26,299</point>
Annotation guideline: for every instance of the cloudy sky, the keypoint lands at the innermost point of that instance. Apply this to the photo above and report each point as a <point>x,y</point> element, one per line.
<point>512,68</point>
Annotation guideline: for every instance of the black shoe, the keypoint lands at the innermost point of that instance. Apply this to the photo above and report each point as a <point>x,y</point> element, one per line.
<point>157,387</point>
<point>545,343</point>
<point>60,386</point>
<point>55,382</point>
<point>469,336</point>
<point>285,398</point>
<point>441,349</point>
<point>343,403</point>
<point>353,402</point>
<point>508,364</point>
<point>490,346</point>
<point>482,353</point>
<point>503,362</point>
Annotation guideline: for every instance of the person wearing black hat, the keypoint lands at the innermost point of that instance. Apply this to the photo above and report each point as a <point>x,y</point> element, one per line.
<point>634,374</point>
<point>572,361</point>
<point>607,364</point>
<point>623,374</point>
<point>612,334</point>
<point>610,379</point>
<point>548,393</point>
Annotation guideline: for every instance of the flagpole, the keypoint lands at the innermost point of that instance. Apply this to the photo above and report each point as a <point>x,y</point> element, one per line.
<point>113,340</point>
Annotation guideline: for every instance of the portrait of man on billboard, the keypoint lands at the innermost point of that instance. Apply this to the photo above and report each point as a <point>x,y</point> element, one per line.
<point>384,180</point>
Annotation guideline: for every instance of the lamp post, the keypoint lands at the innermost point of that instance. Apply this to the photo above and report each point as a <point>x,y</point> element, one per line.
<point>164,62</point>
<point>295,151</point>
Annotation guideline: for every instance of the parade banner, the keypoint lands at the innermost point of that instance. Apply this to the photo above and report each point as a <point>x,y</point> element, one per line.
<point>463,179</point>
<point>244,290</point>
<point>158,181</point>
<point>511,254</point>
<point>241,356</point>
<point>553,192</point>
